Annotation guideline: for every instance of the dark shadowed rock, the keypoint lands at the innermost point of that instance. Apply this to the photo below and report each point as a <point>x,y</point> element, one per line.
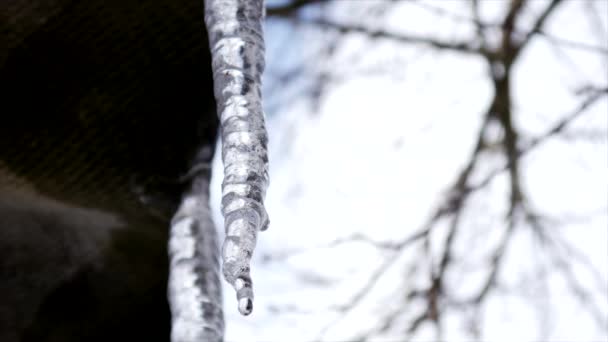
<point>104,104</point>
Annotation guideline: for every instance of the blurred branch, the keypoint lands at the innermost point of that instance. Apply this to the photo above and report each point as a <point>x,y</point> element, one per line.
<point>555,129</point>
<point>500,110</point>
<point>540,22</point>
<point>464,46</point>
<point>518,216</point>
<point>290,8</point>
<point>573,44</point>
<point>481,26</point>
<point>452,207</point>
<point>381,245</point>
<point>562,124</point>
<point>564,265</point>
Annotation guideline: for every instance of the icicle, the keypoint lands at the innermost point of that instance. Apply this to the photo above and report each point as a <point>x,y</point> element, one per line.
<point>237,47</point>
<point>195,293</point>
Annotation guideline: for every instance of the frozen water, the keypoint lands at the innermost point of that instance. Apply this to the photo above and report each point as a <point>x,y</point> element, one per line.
<point>237,48</point>
<point>194,284</point>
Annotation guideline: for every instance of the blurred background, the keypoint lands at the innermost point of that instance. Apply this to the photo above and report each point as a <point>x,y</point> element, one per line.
<point>438,172</point>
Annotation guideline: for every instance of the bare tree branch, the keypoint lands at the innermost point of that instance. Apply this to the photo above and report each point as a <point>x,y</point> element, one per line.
<point>290,8</point>
<point>464,46</point>
<point>451,208</point>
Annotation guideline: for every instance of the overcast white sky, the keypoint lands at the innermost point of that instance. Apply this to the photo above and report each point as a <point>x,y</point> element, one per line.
<point>377,153</point>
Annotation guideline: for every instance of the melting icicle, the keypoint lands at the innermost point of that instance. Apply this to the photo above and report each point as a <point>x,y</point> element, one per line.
<point>237,48</point>
<point>194,281</point>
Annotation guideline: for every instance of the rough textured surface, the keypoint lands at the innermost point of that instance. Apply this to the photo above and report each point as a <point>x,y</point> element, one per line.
<point>194,283</point>
<point>106,105</point>
<point>237,47</point>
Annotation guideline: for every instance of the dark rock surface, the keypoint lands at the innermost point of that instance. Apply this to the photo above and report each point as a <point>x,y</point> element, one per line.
<point>104,105</point>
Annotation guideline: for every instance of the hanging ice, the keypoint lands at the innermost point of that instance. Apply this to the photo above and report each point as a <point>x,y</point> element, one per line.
<point>195,294</point>
<point>237,48</point>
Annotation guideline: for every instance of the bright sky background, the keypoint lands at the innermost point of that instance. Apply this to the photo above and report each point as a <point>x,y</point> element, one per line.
<point>377,154</point>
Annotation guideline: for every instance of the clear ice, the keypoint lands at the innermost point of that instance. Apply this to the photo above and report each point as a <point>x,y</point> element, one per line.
<point>237,48</point>
<point>195,295</point>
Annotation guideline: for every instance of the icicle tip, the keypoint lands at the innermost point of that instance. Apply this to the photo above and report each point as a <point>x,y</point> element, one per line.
<point>244,294</point>
<point>245,306</point>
